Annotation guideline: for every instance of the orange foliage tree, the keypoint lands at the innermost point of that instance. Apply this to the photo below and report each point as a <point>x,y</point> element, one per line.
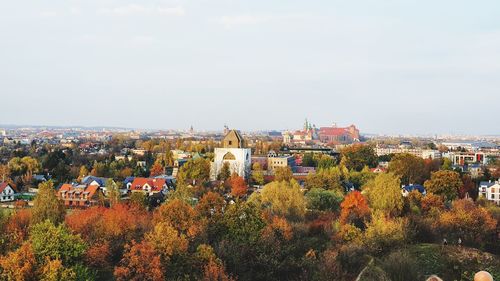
<point>238,186</point>
<point>180,215</point>
<point>19,265</point>
<point>354,209</point>
<point>473,224</point>
<point>156,170</point>
<point>17,228</point>
<point>140,262</point>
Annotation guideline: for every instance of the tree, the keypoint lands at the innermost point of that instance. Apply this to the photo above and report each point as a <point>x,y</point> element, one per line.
<point>46,205</point>
<point>156,170</point>
<point>140,262</point>
<point>225,172</point>
<point>54,270</point>
<point>56,242</point>
<point>283,174</point>
<point>324,200</point>
<point>83,172</point>
<point>113,192</point>
<point>179,215</point>
<point>326,162</point>
<point>325,179</point>
<point>384,194</point>
<point>357,156</point>
<point>139,199</point>
<point>284,198</point>
<point>257,174</point>
<point>167,241</point>
<point>468,188</point>
<point>211,205</point>
<point>4,172</point>
<point>354,209</point>
<point>408,167</point>
<point>238,186</point>
<point>444,183</point>
<point>19,265</point>
<point>197,170</point>
<point>383,234</point>
<point>474,225</point>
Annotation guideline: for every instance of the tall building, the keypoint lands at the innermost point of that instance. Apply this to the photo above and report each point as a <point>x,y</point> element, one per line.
<point>233,152</point>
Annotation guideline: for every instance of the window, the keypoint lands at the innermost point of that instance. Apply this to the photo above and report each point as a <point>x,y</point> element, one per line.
<point>492,196</point>
<point>230,142</point>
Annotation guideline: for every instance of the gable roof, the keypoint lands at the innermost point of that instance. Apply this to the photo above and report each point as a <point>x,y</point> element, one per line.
<point>4,185</point>
<point>412,187</point>
<point>156,184</point>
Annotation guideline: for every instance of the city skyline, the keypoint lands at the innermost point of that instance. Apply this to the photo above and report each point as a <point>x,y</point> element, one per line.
<point>405,67</point>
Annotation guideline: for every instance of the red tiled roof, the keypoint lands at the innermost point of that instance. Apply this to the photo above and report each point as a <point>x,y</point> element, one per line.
<point>155,184</point>
<point>3,185</point>
<point>332,131</point>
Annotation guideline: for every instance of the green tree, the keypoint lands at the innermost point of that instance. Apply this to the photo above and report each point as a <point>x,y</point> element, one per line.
<point>196,170</point>
<point>225,172</point>
<point>113,192</point>
<point>445,183</point>
<point>56,242</point>
<point>325,179</point>
<point>408,167</point>
<point>257,174</point>
<point>358,156</point>
<point>383,234</point>
<point>46,205</point>
<point>324,200</point>
<point>284,198</point>
<point>384,194</point>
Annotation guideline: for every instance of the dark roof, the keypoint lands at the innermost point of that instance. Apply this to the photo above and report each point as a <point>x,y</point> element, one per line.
<point>486,183</point>
<point>412,187</point>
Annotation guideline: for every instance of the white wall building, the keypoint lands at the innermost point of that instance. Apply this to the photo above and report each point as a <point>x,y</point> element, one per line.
<point>490,191</point>
<point>233,153</point>
<point>7,192</point>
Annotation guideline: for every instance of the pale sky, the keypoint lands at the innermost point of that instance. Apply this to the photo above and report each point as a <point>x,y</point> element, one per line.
<point>388,66</point>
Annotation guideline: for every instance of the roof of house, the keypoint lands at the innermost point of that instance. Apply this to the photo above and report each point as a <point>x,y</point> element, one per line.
<point>156,184</point>
<point>90,179</point>
<point>3,185</point>
<point>332,131</point>
<point>412,187</point>
<point>486,183</point>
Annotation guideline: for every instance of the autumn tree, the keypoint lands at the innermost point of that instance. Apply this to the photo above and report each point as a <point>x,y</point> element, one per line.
<point>473,224</point>
<point>354,209</point>
<point>408,167</point>
<point>46,205</point>
<point>283,174</point>
<point>257,174</point>
<point>444,183</point>
<point>54,270</point>
<point>113,192</point>
<point>384,194</point>
<point>178,214</point>
<point>4,172</point>
<point>140,263</point>
<point>225,172</point>
<point>284,198</point>
<point>357,156</point>
<point>238,186</point>
<point>384,233</point>
<point>167,241</point>
<point>19,264</point>
<point>156,170</point>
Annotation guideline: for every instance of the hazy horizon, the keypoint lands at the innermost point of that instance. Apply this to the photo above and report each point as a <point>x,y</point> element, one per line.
<point>389,67</point>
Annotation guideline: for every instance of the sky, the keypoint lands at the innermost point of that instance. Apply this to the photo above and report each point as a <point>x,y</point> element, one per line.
<point>388,66</point>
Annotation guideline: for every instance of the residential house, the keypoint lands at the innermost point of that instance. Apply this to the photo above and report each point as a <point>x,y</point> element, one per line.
<point>406,189</point>
<point>79,196</point>
<point>490,190</point>
<point>149,186</point>
<point>7,192</point>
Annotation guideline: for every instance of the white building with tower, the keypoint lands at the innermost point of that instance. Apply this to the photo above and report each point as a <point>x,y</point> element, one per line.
<point>234,153</point>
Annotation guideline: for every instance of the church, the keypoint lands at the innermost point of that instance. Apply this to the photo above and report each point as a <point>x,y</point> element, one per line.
<point>233,152</point>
